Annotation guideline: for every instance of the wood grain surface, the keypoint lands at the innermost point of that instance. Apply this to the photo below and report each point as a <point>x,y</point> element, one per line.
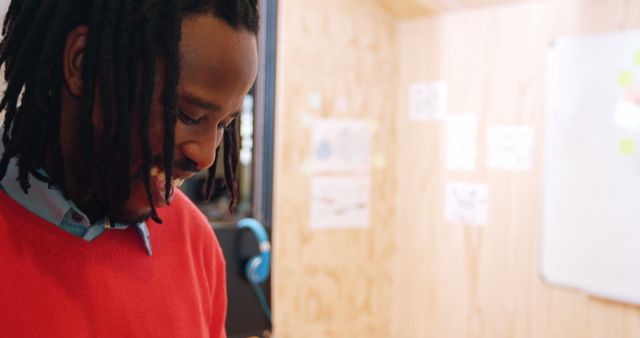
<point>411,274</point>
<point>405,9</point>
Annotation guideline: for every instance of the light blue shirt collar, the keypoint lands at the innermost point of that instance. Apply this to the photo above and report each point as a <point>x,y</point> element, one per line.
<point>49,204</point>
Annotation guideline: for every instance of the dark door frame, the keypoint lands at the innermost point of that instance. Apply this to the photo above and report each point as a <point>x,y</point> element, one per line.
<point>264,120</point>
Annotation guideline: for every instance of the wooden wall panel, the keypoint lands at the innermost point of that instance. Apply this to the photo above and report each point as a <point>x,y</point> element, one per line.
<point>461,281</point>
<point>411,274</point>
<point>333,283</point>
<point>405,9</point>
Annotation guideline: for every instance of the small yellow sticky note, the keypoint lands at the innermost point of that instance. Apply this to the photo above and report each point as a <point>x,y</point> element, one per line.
<point>625,78</point>
<point>637,58</point>
<point>627,146</point>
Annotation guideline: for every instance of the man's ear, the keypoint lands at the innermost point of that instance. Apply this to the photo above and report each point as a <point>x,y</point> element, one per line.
<point>73,59</point>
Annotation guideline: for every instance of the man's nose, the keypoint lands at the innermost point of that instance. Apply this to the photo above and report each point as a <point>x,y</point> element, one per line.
<point>202,150</point>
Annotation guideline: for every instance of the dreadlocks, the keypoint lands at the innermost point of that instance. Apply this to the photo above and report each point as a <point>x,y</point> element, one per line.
<point>126,37</point>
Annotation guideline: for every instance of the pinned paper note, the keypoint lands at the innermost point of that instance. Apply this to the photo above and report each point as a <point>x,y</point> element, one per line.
<point>627,147</point>
<point>340,202</point>
<point>625,78</point>
<point>466,203</point>
<point>627,115</point>
<point>341,104</point>
<point>509,147</point>
<point>427,101</point>
<point>314,100</point>
<point>462,132</point>
<point>341,145</point>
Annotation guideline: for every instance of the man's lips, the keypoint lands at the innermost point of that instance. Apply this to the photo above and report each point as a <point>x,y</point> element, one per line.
<point>159,180</point>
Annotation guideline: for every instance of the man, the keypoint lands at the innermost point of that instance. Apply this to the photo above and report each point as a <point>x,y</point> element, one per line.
<point>109,106</point>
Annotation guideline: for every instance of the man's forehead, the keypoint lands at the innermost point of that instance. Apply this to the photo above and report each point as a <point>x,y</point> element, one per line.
<point>209,44</point>
<point>199,102</point>
<point>218,64</point>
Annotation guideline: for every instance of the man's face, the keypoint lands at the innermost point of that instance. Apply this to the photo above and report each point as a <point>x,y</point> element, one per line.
<point>217,68</point>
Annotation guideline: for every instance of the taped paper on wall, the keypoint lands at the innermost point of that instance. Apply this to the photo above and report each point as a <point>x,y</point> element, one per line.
<point>627,116</point>
<point>510,147</point>
<point>466,203</point>
<point>341,145</point>
<point>427,101</point>
<point>314,100</point>
<point>462,132</point>
<point>341,104</point>
<point>627,111</point>
<point>340,202</point>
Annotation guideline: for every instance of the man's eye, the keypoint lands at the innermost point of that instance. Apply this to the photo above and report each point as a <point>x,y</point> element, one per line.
<point>186,119</point>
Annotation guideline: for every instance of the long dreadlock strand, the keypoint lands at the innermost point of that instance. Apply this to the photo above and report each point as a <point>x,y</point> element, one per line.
<point>172,76</point>
<point>231,162</point>
<point>89,73</point>
<point>17,25</point>
<point>18,54</point>
<point>208,187</point>
<point>105,57</point>
<point>12,12</point>
<point>47,93</point>
<point>24,161</point>
<point>55,126</point>
<point>122,136</point>
<point>33,118</point>
<point>148,74</point>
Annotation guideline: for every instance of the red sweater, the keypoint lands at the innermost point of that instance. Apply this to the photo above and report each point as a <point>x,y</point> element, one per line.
<point>53,284</point>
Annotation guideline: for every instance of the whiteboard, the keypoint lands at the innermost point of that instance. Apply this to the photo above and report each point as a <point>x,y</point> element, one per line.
<point>591,187</point>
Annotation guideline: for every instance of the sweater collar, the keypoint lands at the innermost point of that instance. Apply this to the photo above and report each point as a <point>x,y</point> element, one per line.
<point>48,203</point>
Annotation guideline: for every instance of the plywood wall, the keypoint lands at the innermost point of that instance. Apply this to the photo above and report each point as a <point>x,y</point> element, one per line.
<point>462,281</point>
<point>333,283</point>
<point>404,9</point>
<point>411,274</point>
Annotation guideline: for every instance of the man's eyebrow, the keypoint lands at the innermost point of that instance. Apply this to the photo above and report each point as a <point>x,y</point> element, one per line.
<point>200,103</point>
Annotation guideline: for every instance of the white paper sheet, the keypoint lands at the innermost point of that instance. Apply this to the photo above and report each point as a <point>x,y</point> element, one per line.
<point>340,202</point>
<point>462,132</point>
<point>341,146</point>
<point>341,104</point>
<point>314,100</point>
<point>510,147</point>
<point>466,203</point>
<point>427,101</point>
<point>627,111</point>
